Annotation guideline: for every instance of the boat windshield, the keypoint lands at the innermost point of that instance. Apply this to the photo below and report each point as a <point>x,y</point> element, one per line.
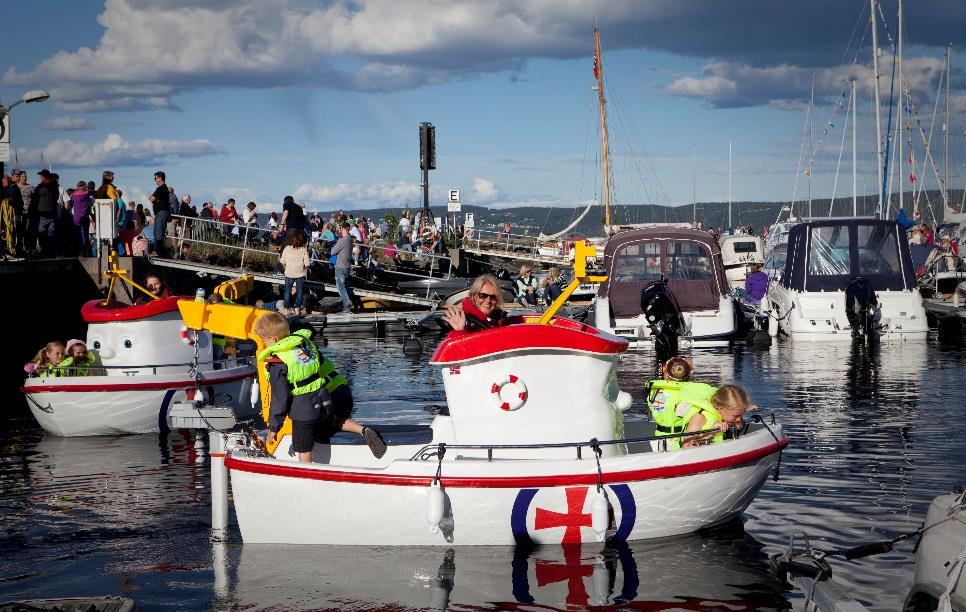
<point>745,246</point>
<point>689,261</point>
<point>878,250</point>
<point>638,261</point>
<point>828,253</point>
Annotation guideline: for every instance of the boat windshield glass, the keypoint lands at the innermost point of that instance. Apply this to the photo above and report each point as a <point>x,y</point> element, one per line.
<point>640,261</point>
<point>688,261</point>
<point>878,250</point>
<point>743,246</point>
<point>828,253</point>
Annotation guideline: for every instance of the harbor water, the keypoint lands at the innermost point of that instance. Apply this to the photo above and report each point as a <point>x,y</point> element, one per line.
<point>875,435</point>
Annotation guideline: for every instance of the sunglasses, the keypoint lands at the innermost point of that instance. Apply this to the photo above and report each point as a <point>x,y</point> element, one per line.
<point>487,296</point>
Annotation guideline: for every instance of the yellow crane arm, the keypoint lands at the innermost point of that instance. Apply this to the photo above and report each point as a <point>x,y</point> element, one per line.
<point>233,321</point>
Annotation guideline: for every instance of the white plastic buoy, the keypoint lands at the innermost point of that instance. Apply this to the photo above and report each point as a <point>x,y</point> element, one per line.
<point>219,487</point>
<point>435,499</point>
<point>255,393</point>
<point>772,326</point>
<point>600,514</point>
<point>623,401</point>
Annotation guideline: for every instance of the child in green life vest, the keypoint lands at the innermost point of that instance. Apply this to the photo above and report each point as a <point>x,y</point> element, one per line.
<point>306,388</point>
<point>728,406</point>
<point>47,360</point>
<point>675,388</point>
<point>79,361</point>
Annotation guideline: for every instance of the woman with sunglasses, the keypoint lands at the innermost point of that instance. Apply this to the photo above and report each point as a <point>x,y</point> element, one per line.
<point>481,310</point>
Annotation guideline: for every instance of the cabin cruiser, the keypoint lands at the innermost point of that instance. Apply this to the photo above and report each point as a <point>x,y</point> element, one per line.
<point>841,272</point>
<point>690,263</point>
<point>739,252</point>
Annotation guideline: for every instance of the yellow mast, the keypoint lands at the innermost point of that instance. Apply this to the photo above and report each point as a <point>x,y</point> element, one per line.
<point>602,104</point>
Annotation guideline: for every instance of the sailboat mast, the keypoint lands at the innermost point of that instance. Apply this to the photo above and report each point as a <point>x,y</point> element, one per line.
<point>855,188</point>
<point>946,139</point>
<point>602,105</point>
<point>878,106</point>
<point>811,109</point>
<point>900,129</point>
<point>729,187</point>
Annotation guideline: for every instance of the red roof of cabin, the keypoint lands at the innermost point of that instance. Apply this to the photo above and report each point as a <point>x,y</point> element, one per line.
<point>565,334</point>
<point>95,312</point>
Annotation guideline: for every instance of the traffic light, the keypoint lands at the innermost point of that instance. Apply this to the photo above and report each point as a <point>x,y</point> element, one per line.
<point>427,146</point>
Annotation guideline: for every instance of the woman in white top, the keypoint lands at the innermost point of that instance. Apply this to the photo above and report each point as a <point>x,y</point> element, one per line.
<point>295,261</point>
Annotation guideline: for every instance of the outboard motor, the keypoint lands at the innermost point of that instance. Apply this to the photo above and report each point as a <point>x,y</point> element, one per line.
<point>860,307</point>
<point>663,317</point>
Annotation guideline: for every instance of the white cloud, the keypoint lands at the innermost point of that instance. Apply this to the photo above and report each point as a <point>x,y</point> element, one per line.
<point>484,190</point>
<point>67,124</point>
<point>115,151</point>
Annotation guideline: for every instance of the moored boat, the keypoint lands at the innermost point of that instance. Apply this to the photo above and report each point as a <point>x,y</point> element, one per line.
<point>148,360</point>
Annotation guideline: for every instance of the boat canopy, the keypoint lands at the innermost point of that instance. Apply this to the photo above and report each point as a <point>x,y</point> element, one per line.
<point>826,255</point>
<point>690,259</point>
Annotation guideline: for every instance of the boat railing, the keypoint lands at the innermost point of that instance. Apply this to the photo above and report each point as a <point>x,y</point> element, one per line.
<point>139,370</point>
<point>495,241</point>
<point>434,451</point>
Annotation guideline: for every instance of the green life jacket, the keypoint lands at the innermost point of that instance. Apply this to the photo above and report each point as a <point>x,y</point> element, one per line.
<point>70,367</point>
<point>711,418</point>
<point>53,370</point>
<point>308,371</point>
<point>663,397</point>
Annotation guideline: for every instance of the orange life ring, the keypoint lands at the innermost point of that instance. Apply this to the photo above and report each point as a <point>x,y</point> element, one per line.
<point>516,400</point>
<point>426,233</point>
<point>189,336</point>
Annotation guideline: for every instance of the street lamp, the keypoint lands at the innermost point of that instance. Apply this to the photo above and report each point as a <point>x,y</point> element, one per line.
<point>34,95</point>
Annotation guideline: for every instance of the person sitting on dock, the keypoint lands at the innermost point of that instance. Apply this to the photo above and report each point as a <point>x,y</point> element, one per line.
<point>306,388</point>
<point>727,407</point>
<point>47,360</point>
<point>79,361</point>
<point>526,286</point>
<point>479,310</point>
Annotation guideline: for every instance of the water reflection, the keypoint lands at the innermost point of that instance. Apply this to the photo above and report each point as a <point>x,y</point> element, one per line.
<point>727,569</point>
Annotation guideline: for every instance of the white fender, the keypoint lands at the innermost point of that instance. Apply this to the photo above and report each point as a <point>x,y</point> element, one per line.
<point>623,401</point>
<point>434,506</point>
<point>600,514</point>
<point>773,324</point>
<point>256,393</point>
<point>601,582</point>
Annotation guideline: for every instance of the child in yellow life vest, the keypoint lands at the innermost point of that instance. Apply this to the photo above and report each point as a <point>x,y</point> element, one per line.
<point>306,388</point>
<point>80,361</point>
<point>47,360</point>
<point>728,405</point>
<point>663,396</point>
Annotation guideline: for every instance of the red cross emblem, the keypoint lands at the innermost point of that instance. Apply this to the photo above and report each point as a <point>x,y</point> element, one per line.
<point>573,520</point>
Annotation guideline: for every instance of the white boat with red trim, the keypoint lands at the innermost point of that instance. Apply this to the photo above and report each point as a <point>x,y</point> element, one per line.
<point>534,448</point>
<point>150,359</point>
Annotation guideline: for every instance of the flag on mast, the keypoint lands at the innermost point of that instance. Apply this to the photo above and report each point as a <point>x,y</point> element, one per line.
<point>596,64</point>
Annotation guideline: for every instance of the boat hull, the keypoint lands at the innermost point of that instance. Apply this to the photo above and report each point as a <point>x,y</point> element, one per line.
<point>111,405</point>
<point>499,502</point>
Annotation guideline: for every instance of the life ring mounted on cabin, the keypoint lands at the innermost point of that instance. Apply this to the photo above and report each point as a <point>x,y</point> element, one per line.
<point>189,336</point>
<point>517,394</point>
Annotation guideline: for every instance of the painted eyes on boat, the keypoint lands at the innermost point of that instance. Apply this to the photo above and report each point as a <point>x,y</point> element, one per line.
<point>96,345</point>
<point>128,344</point>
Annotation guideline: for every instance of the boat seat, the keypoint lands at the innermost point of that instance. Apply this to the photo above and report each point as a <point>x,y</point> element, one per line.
<point>394,435</point>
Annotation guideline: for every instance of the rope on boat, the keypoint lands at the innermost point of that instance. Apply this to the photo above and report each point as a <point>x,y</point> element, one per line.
<point>440,453</point>
<point>595,444</point>
<point>757,418</point>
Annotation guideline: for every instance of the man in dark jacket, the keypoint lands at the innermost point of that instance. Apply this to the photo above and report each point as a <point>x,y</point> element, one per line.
<point>42,214</point>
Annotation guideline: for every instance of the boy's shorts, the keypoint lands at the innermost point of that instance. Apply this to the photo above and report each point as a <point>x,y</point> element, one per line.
<point>303,436</point>
<point>342,406</point>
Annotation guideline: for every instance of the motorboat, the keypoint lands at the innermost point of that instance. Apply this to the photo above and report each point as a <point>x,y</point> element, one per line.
<point>690,263</point>
<point>738,253</point>
<point>149,359</point>
<point>532,448</point>
<point>775,247</point>
<point>843,276</point>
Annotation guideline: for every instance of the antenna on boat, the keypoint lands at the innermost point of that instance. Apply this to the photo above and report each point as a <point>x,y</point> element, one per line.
<point>602,106</point>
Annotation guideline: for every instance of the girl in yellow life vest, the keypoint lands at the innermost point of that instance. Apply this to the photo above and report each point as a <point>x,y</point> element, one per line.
<point>727,407</point>
<point>663,396</point>
<point>79,361</point>
<point>47,360</point>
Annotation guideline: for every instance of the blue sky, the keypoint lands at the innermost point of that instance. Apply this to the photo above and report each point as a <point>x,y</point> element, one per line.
<point>257,99</point>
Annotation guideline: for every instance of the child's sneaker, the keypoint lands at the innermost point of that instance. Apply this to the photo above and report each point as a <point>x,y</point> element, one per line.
<point>375,442</point>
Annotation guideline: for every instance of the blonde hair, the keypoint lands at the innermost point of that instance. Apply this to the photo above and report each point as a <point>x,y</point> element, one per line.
<point>485,279</point>
<point>524,269</point>
<point>271,325</point>
<point>554,272</point>
<point>730,398</point>
<point>41,358</point>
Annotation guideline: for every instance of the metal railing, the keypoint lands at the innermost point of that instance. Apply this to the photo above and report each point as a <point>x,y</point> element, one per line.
<point>502,242</point>
<point>431,451</point>
<point>246,239</point>
<point>137,370</point>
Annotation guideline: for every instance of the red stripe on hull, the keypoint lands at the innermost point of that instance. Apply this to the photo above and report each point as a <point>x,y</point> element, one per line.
<point>506,482</point>
<point>144,386</point>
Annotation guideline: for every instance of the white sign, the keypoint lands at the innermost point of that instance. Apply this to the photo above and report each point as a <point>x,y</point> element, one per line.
<point>5,138</point>
<point>4,152</point>
<point>454,195</point>
<point>468,222</point>
<point>105,226</point>
<point>454,207</point>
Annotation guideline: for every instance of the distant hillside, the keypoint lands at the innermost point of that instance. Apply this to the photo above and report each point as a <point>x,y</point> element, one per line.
<point>532,220</point>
